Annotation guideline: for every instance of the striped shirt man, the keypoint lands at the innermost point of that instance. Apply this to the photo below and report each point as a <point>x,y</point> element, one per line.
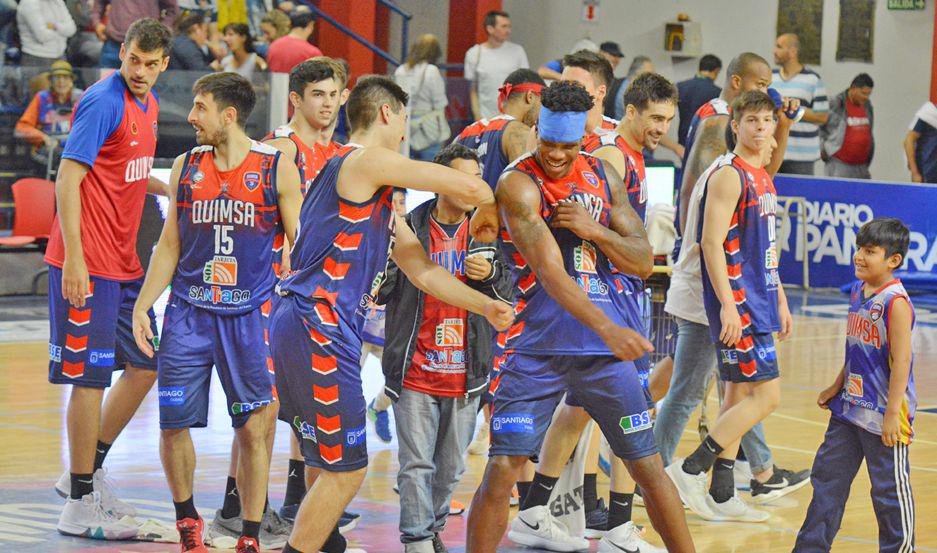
<point>804,141</point>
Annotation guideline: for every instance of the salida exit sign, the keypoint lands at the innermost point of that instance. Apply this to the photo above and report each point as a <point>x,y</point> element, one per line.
<point>906,4</point>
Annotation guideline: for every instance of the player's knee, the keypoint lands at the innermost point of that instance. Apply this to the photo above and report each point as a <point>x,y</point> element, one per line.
<point>646,471</point>
<point>768,395</point>
<point>502,471</point>
<point>169,437</point>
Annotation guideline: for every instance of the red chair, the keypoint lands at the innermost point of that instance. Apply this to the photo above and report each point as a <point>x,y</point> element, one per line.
<point>34,210</point>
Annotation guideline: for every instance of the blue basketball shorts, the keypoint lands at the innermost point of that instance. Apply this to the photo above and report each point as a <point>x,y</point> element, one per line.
<point>319,379</point>
<point>87,344</point>
<point>608,389</point>
<point>754,358</point>
<point>194,340</point>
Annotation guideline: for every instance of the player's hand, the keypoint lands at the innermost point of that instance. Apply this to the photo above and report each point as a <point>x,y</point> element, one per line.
<point>142,332</point>
<point>574,217</point>
<point>485,223</point>
<point>76,284</point>
<point>787,323</point>
<point>823,400</point>
<point>499,314</point>
<point>731,325</point>
<point>477,267</point>
<point>625,343</point>
<point>891,428</point>
<point>285,266</point>
<point>917,177</point>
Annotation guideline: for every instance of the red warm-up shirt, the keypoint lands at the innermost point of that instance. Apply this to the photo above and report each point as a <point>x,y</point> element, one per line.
<point>858,140</point>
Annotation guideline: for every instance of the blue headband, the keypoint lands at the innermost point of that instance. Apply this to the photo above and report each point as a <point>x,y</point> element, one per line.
<point>561,126</point>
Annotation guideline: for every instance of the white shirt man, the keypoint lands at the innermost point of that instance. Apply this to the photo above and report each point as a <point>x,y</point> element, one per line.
<point>489,63</point>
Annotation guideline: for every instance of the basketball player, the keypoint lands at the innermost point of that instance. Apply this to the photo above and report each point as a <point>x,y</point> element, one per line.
<point>95,275</point>
<point>745,304</point>
<point>338,267</point>
<point>233,195</point>
<point>568,221</point>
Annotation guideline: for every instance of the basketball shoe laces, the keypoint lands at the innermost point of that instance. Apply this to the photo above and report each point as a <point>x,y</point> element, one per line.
<point>190,536</point>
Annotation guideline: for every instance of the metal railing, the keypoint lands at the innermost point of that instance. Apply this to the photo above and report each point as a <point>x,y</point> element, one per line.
<point>801,214</point>
<point>383,54</point>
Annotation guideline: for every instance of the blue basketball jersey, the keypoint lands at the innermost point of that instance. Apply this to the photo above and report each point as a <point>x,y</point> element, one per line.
<point>868,369</point>
<point>485,136</point>
<point>227,222</point>
<point>634,177</point>
<point>750,251</point>
<point>542,326</point>
<point>341,254</point>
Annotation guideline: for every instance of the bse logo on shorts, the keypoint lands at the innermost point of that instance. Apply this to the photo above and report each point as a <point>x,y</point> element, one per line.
<point>876,311</point>
<point>306,430</point>
<point>173,395</point>
<point>251,180</point>
<point>729,357</point>
<point>854,385</point>
<point>101,357</point>
<point>519,423</point>
<point>356,436</point>
<point>450,333</point>
<point>221,270</point>
<point>635,423</point>
<point>55,353</point>
<point>584,258</point>
<point>241,408</point>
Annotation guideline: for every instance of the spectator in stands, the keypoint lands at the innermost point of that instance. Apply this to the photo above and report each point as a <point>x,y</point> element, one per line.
<point>793,80</point>
<point>639,65</point>
<point>7,20</point>
<point>920,144</point>
<point>189,48</point>
<point>242,58</point>
<point>423,82</point>
<point>120,15</point>
<point>288,51</point>
<point>696,91</point>
<point>47,120</point>
<point>273,25</point>
<point>45,27</point>
<point>846,141</point>
<point>489,63</point>
<point>84,47</point>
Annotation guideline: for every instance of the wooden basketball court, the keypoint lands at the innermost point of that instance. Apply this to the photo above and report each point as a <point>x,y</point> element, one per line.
<point>34,450</point>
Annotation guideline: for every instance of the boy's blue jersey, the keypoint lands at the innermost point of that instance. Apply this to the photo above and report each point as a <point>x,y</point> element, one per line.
<point>865,393</point>
<point>485,137</point>
<point>227,221</point>
<point>340,255</point>
<point>750,252</point>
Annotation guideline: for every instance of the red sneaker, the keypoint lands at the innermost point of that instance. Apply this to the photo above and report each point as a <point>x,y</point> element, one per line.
<point>247,545</point>
<point>190,535</point>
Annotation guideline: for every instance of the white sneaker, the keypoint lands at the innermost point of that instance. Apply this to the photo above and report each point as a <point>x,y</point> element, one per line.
<point>742,473</point>
<point>626,538</point>
<point>100,483</point>
<point>86,517</point>
<point>734,509</point>
<point>692,488</point>
<point>537,528</point>
<point>479,445</point>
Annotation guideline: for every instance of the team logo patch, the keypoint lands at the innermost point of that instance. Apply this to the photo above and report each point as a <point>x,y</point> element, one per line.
<point>221,270</point>
<point>591,178</point>
<point>356,436</point>
<point>198,177</point>
<point>101,358</point>
<point>771,257</point>
<point>635,423</point>
<point>766,353</point>
<point>252,180</point>
<point>450,333</point>
<point>133,127</point>
<point>854,385</point>
<point>584,258</point>
<point>876,311</point>
<point>520,423</point>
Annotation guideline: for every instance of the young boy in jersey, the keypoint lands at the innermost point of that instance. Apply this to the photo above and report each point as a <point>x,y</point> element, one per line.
<point>339,261</point>
<point>232,196</point>
<point>568,226</point>
<point>95,275</point>
<point>871,402</point>
<point>745,304</point>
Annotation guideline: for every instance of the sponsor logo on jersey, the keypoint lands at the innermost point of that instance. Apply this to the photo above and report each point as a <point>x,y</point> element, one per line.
<point>518,423</point>
<point>216,295</point>
<point>592,285</point>
<point>771,257</point>
<point>101,357</point>
<point>635,423</point>
<point>198,177</point>
<point>584,258</point>
<point>239,408</point>
<point>251,180</point>
<point>356,436</point>
<point>450,333</point>
<point>172,395</point>
<point>862,329</point>
<point>223,210</point>
<point>221,270</point>
<point>55,353</point>
<point>876,311</point>
<point>138,169</point>
<point>854,385</point>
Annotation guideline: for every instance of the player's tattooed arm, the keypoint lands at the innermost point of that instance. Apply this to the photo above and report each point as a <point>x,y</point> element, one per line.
<point>514,141</point>
<point>519,203</point>
<point>710,143</point>
<point>625,241</point>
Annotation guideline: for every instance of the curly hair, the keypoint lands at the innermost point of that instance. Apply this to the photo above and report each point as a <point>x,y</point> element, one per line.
<point>566,96</point>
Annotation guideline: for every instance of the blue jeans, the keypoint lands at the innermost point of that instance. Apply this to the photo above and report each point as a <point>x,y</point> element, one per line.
<point>433,434</point>
<point>110,55</point>
<point>693,362</point>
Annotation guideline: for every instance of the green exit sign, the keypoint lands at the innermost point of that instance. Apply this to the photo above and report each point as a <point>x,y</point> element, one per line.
<point>906,4</point>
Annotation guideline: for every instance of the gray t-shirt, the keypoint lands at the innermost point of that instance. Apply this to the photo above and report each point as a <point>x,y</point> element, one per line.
<point>488,67</point>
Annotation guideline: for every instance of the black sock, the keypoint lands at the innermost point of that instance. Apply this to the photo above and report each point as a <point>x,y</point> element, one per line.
<point>619,509</point>
<point>703,458</point>
<point>232,499</point>
<point>523,488</point>
<point>250,529</point>
<point>335,543</point>
<point>290,549</point>
<point>267,504</point>
<point>82,485</point>
<point>185,509</point>
<point>295,483</point>
<point>589,495</point>
<point>100,452</point>
<point>540,490</point>
<point>740,456</point>
<point>722,487</point>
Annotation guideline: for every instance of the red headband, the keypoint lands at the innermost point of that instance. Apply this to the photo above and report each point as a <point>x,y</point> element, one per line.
<point>507,89</point>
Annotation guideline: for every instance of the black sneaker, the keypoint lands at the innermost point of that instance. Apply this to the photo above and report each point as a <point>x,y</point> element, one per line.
<point>596,521</point>
<point>438,545</point>
<point>782,482</point>
<point>347,522</point>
